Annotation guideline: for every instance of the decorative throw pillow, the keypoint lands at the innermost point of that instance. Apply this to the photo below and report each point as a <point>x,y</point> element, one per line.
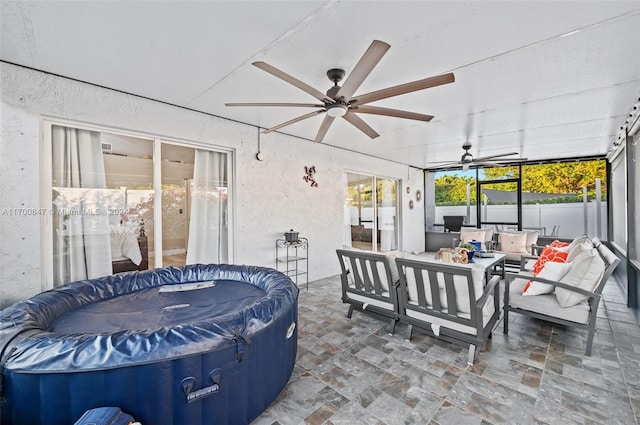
<point>474,234</point>
<point>513,242</point>
<point>549,254</point>
<point>552,271</point>
<point>558,244</point>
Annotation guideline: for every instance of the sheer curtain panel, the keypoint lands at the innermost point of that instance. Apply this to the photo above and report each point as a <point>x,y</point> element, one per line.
<point>82,248</point>
<point>208,227</point>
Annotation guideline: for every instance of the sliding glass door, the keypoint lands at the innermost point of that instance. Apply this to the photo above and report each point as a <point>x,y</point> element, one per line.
<point>123,203</point>
<point>371,213</point>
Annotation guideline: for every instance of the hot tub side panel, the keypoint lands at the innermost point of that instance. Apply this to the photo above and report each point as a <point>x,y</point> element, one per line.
<point>252,374</point>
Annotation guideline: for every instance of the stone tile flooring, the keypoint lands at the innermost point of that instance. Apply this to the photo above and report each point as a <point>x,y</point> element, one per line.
<point>354,372</point>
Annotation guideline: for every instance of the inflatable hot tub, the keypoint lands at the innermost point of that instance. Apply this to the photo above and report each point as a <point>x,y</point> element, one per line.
<point>200,344</point>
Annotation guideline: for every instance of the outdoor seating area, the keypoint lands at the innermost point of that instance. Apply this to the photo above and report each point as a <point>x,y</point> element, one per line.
<point>567,293</point>
<point>460,303</point>
<point>353,372</point>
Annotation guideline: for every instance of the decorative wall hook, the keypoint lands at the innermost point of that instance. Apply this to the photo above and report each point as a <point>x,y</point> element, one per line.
<point>310,175</point>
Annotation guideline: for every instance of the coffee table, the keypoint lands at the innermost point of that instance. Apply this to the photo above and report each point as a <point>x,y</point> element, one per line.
<point>492,265</point>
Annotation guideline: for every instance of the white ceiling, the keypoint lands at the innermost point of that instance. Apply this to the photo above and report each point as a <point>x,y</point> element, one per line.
<point>546,79</point>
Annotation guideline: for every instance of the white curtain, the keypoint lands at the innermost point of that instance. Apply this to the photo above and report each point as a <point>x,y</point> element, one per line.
<point>387,217</point>
<point>82,248</point>
<point>208,227</point>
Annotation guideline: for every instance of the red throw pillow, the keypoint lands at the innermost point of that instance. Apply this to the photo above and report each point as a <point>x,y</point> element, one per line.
<point>549,254</point>
<point>558,244</point>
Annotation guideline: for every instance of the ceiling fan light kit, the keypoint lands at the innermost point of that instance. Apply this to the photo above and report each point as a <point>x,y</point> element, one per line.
<point>337,110</point>
<point>339,101</point>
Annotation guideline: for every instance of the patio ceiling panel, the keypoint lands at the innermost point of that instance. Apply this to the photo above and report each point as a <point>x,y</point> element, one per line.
<point>521,67</point>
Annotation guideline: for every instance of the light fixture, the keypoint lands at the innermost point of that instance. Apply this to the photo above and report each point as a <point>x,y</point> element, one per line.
<point>336,110</point>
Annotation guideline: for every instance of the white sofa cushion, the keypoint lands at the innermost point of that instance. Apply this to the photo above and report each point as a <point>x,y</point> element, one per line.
<point>370,301</point>
<point>546,304</point>
<point>552,271</point>
<point>468,234</point>
<point>513,242</point>
<point>577,249</point>
<point>487,312</point>
<point>531,239</point>
<point>586,272</point>
<point>459,282</point>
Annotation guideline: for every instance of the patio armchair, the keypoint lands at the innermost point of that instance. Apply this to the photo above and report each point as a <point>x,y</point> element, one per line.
<point>369,283</point>
<point>448,301</point>
<point>570,293</point>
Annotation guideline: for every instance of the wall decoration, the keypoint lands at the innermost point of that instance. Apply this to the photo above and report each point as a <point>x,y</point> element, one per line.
<point>309,177</point>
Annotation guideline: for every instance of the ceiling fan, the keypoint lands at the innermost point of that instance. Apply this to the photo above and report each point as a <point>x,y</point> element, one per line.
<point>467,160</point>
<point>339,101</point>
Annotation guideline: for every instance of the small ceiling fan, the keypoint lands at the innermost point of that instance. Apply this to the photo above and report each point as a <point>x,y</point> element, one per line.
<point>339,101</point>
<point>467,160</point>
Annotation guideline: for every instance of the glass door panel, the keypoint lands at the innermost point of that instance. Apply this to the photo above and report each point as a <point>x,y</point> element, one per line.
<point>360,211</point>
<point>371,213</point>
<point>97,223</point>
<point>177,172</point>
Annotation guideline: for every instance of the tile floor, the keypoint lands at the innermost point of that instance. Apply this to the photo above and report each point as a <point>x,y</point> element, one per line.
<point>353,372</point>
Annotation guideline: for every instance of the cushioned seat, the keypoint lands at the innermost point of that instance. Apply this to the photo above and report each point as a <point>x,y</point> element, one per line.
<point>448,301</point>
<point>566,293</point>
<point>369,283</point>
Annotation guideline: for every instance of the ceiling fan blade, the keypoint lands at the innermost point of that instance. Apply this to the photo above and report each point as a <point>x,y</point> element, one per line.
<point>324,127</point>
<point>509,159</point>
<point>438,164</point>
<point>293,81</point>
<point>295,120</point>
<point>363,68</point>
<point>404,88</point>
<point>496,156</point>
<point>376,110</point>
<point>297,105</point>
<point>360,125</point>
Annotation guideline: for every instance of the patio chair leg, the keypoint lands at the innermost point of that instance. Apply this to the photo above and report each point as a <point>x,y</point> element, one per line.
<point>472,354</point>
<point>590,342</point>
<point>505,322</point>
<point>350,312</point>
<point>409,331</point>
<point>392,326</point>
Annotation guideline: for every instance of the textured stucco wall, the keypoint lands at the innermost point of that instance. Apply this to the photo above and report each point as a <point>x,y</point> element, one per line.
<point>270,195</point>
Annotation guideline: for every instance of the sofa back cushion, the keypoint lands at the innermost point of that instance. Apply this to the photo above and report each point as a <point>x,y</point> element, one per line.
<point>587,270</point>
<point>481,235</point>
<point>513,242</point>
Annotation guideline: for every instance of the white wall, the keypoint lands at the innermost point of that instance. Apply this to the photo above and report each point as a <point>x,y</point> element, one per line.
<point>568,216</point>
<point>270,196</point>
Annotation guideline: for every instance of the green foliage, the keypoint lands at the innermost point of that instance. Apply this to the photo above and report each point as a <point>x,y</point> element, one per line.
<point>565,177</point>
<point>452,190</point>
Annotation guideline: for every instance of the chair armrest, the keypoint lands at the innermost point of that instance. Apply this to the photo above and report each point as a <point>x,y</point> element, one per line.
<point>524,258</point>
<point>537,249</point>
<point>510,276</point>
<point>492,286</point>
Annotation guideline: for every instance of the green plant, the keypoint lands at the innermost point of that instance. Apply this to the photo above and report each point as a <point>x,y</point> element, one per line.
<point>468,246</point>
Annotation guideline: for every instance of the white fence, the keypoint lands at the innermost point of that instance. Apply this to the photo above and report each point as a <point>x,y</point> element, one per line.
<point>569,218</point>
